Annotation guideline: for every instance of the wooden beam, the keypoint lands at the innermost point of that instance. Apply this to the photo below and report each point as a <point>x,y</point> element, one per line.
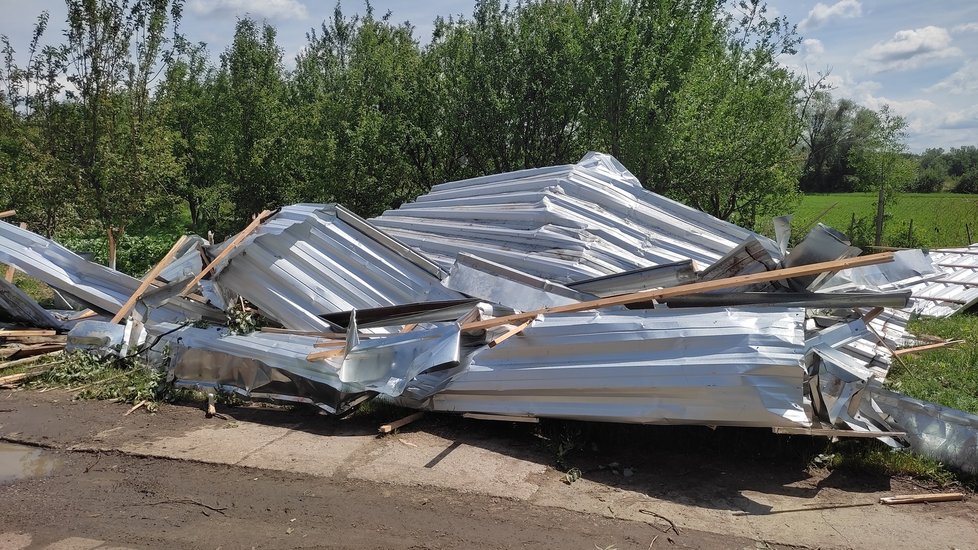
<point>914,499</point>
<point>330,344</point>
<point>872,314</point>
<point>906,351</point>
<point>509,333</point>
<point>408,327</point>
<point>328,354</point>
<point>388,428</point>
<point>228,249</point>
<point>684,290</point>
<point>148,281</point>
<point>9,275</point>
<point>7,213</point>
<point>25,333</point>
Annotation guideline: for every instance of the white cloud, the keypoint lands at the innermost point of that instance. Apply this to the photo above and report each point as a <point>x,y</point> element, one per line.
<point>967,27</point>
<point>822,13</point>
<point>960,120</point>
<point>911,48</point>
<point>812,47</point>
<point>270,9</point>
<point>961,82</point>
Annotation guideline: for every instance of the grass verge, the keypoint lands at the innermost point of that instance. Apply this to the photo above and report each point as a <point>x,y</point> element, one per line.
<point>948,375</point>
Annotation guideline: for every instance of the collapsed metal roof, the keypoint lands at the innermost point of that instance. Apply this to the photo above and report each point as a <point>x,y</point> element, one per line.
<point>563,223</point>
<point>534,293</point>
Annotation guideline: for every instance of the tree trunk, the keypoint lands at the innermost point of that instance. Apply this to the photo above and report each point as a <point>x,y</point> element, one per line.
<point>879,216</point>
<point>111,249</point>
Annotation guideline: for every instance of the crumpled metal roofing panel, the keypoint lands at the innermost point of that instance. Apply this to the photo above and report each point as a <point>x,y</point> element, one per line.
<point>714,366</point>
<point>563,223</point>
<point>312,259</point>
<point>95,284</point>
<point>955,290</point>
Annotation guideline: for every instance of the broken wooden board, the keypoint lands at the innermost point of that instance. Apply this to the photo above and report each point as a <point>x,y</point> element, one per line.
<point>390,427</point>
<point>684,290</point>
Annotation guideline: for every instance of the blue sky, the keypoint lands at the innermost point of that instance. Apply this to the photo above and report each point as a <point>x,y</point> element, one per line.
<point>921,58</point>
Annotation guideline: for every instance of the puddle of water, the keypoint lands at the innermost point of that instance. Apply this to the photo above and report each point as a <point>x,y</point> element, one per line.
<point>20,461</point>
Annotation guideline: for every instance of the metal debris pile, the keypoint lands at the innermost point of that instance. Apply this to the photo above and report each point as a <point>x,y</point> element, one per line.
<point>561,292</point>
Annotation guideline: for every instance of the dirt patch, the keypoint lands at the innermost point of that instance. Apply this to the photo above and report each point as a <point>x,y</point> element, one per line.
<point>144,502</point>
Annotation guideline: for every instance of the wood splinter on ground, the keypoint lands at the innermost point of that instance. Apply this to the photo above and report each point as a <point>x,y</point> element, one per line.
<point>915,499</point>
<point>136,406</point>
<point>388,428</point>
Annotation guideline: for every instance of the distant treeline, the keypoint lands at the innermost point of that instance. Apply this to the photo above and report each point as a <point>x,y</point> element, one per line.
<point>128,128</point>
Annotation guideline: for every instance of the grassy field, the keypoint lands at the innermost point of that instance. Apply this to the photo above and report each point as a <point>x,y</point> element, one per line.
<point>938,218</point>
<point>949,375</point>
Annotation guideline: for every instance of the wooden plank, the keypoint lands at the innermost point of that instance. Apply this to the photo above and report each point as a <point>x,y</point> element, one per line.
<point>328,354</point>
<point>31,359</point>
<point>502,417</point>
<point>914,499</point>
<point>408,327</point>
<point>9,275</point>
<point>509,333</point>
<point>25,333</point>
<point>906,351</point>
<point>872,314</point>
<point>685,290</point>
<point>832,432</point>
<point>7,213</point>
<point>148,281</point>
<point>388,428</point>
<point>228,249</point>
<point>330,344</point>
<point>83,315</point>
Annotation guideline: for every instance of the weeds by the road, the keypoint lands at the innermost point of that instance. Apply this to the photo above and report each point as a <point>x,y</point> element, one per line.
<point>949,375</point>
<point>128,380</point>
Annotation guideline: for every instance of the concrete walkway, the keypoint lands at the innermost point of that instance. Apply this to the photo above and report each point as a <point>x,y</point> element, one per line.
<point>469,456</point>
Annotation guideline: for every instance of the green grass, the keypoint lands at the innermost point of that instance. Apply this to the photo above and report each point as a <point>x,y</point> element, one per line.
<point>938,218</point>
<point>948,375</point>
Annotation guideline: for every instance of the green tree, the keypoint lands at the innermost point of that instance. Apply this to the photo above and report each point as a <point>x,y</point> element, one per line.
<point>881,164</point>
<point>123,153</point>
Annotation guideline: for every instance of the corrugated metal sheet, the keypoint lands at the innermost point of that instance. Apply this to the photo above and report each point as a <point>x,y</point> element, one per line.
<point>97,285</point>
<point>714,366</point>
<point>563,223</point>
<point>21,307</point>
<point>312,259</point>
<point>955,290</point>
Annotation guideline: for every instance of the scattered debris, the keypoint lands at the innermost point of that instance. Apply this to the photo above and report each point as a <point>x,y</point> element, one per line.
<point>915,499</point>
<point>561,292</point>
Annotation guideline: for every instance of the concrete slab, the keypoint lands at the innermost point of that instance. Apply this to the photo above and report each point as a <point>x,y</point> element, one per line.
<point>427,459</point>
<point>309,453</point>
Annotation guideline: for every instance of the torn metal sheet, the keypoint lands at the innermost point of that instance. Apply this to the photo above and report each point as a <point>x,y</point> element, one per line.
<point>187,262</point>
<point>18,306</point>
<point>379,365</point>
<point>941,433</point>
<point>562,223</point>
<point>94,284</point>
<point>747,258</point>
<point>955,290</point>
<point>636,280</point>
<point>503,285</point>
<point>734,366</point>
<point>310,259</point>
<point>822,244</point>
<point>407,314</point>
<point>104,338</point>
